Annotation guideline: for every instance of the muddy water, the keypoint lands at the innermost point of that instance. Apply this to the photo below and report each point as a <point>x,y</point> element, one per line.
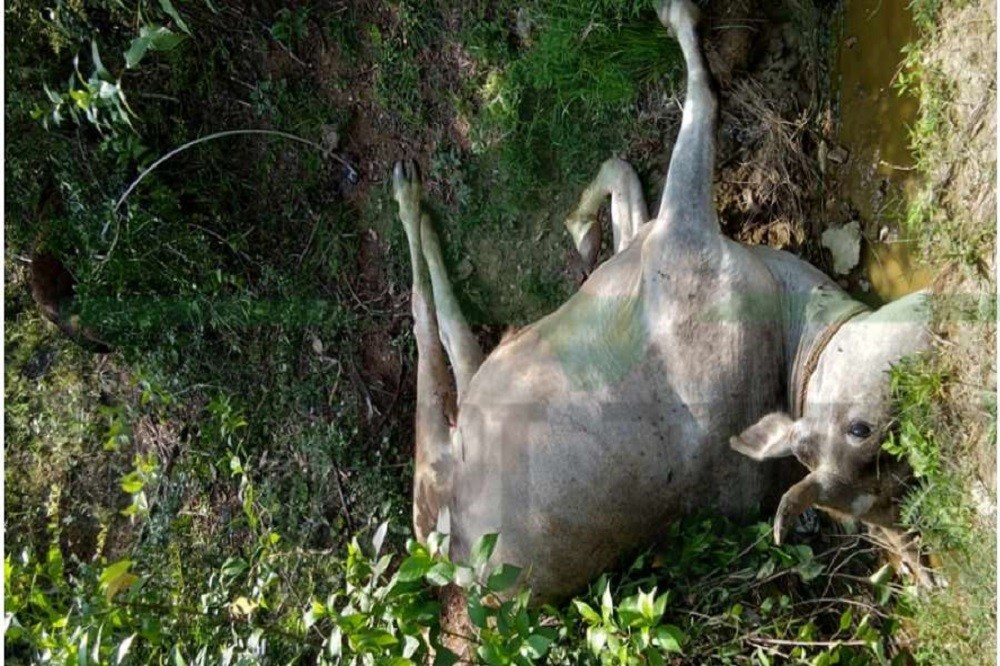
<point>876,173</point>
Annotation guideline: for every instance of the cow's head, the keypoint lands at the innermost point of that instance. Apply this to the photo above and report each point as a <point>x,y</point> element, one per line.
<point>846,415</point>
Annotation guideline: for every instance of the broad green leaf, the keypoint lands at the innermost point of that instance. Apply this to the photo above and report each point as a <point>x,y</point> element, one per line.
<point>482,550</point>
<point>809,570</point>
<point>464,576</point>
<point>630,612</point>
<point>668,637</point>
<point>414,568</point>
<point>477,613</point>
<point>414,547</point>
<point>503,578</point>
<point>371,640</point>
<point>164,39</point>
<point>597,638</point>
<point>653,658</point>
<point>441,573</point>
<point>607,603</point>
<point>136,52</point>
<point>132,483</point>
<point>444,657</point>
<point>660,606</point>
<point>536,646</point>
<point>99,69</point>
<point>115,578</point>
<point>846,619</point>
<point>586,612</point>
<point>646,604</point>
<point>171,11</point>
<point>81,97</point>
<point>490,655</point>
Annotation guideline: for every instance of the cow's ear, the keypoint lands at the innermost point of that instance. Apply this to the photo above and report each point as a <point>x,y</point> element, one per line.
<point>771,437</point>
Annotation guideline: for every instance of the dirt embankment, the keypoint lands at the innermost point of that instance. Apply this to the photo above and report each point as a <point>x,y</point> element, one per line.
<point>960,62</point>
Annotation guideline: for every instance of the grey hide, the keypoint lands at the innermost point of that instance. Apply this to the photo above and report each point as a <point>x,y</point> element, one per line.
<point>584,434</point>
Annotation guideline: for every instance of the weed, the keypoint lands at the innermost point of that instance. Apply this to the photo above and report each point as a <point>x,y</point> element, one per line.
<point>947,431</point>
<point>915,386</point>
<point>289,25</point>
<point>266,98</point>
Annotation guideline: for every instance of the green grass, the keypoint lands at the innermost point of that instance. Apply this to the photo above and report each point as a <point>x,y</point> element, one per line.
<point>954,624</point>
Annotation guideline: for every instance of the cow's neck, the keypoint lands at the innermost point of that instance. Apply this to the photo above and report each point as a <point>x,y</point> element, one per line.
<point>813,308</point>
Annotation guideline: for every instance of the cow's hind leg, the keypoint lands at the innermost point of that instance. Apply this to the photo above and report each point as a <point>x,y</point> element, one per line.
<point>687,196</point>
<point>432,468</point>
<point>456,336</point>
<point>628,210</point>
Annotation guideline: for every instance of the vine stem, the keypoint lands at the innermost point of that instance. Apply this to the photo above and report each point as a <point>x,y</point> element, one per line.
<point>220,135</point>
<point>190,144</point>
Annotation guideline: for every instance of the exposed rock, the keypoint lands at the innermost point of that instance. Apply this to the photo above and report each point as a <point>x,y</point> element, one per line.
<point>844,244</point>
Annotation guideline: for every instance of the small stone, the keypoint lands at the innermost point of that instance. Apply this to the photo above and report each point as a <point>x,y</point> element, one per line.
<point>464,269</point>
<point>331,138</point>
<point>838,155</point>
<point>844,244</point>
<point>317,346</point>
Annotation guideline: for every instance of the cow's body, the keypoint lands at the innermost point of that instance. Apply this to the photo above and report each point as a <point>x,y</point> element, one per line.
<point>583,435</point>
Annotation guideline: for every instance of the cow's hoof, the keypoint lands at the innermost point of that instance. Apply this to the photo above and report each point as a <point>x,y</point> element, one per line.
<point>676,14</point>
<point>589,247</point>
<point>406,184</point>
<point>406,180</point>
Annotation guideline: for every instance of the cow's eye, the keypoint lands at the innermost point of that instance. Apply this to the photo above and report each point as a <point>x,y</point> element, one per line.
<point>860,429</point>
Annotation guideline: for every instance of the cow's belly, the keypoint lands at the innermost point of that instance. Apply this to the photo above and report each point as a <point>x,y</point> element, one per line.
<point>574,475</point>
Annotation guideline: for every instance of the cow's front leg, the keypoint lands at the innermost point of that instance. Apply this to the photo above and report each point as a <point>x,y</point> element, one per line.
<point>628,211</point>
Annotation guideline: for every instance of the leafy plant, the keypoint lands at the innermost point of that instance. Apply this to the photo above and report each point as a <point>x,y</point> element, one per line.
<point>289,25</point>
<point>97,99</point>
<point>915,388</point>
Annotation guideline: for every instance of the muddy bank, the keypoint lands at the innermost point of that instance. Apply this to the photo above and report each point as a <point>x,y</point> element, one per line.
<point>814,134</point>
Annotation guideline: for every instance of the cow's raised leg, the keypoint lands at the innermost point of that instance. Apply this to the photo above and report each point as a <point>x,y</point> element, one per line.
<point>432,467</point>
<point>628,210</point>
<point>456,336</point>
<point>686,203</point>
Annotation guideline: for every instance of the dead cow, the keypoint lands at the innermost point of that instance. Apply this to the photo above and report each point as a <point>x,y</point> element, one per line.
<point>586,433</point>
